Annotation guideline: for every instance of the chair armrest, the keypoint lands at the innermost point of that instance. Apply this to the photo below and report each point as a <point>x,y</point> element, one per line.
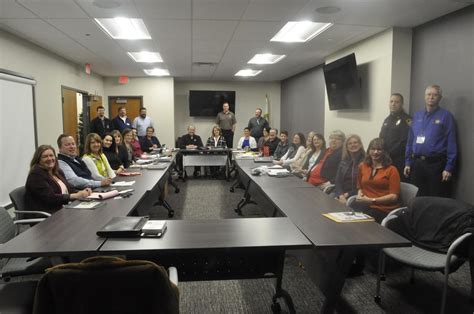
<point>28,221</point>
<point>28,212</point>
<point>455,244</point>
<point>351,200</point>
<point>391,216</point>
<point>173,275</point>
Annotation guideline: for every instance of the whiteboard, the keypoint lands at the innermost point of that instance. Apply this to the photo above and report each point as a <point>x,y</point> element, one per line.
<point>17,131</point>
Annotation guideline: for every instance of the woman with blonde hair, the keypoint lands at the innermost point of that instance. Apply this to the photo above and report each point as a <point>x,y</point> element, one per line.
<point>95,159</point>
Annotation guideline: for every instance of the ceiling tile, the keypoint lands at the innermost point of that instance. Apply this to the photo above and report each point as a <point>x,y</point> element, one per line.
<point>10,9</point>
<point>164,9</point>
<point>219,9</point>
<point>54,8</point>
<point>249,30</point>
<point>203,72</point>
<point>273,10</point>
<point>125,9</point>
<point>169,29</point>
<point>208,50</point>
<point>213,30</point>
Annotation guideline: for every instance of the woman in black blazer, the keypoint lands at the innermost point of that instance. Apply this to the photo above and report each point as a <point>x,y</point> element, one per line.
<point>46,188</point>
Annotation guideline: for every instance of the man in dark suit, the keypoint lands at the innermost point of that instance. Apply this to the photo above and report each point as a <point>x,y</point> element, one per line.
<point>101,125</point>
<point>189,141</point>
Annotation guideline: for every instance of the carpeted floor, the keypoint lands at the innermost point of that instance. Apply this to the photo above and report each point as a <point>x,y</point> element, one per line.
<point>204,198</point>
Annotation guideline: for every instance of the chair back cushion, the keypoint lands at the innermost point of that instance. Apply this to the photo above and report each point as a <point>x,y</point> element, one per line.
<point>17,196</point>
<point>434,223</point>
<point>407,192</point>
<point>106,285</point>
<point>7,228</point>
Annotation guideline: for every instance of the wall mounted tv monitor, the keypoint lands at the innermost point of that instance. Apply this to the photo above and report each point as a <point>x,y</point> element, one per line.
<point>206,103</point>
<point>343,84</point>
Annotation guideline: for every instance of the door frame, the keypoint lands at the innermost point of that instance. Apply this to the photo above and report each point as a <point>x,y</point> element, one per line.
<point>85,109</point>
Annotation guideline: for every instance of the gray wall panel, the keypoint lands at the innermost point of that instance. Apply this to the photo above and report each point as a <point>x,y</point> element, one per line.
<point>302,102</point>
<point>443,54</point>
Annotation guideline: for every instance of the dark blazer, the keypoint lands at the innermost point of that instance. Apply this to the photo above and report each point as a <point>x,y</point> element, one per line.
<point>329,169</point>
<point>97,127</point>
<point>187,140</point>
<point>120,125</point>
<point>145,143</point>
<point>42,191</point>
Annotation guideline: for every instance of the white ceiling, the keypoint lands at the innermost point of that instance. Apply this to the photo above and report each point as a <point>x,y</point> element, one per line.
<point>226,33</point>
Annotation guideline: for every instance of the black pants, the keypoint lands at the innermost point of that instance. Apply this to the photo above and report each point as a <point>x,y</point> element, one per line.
<point>399,163</point>
<point>427,176</point>
<point>229,138</point>
<point>179,165</point>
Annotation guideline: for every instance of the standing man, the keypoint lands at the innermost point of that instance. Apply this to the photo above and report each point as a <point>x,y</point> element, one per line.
<point>226,121</point>
<point>121,121</point>
<point>101,125</point>
<point>142,122</point>
<point>75,170</point>
<point>394,132</point>
<point>257,124</point>
<point>431,150</point>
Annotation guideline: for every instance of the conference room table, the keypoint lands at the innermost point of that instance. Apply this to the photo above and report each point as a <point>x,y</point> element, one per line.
<point>206,157</point>
<point>334,244</point>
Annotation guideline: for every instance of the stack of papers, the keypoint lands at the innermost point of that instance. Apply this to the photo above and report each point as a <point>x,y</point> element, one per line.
<point>103,196</point>
<point>348,217</point>
<point>123,183</point>
<point>275,172</point>
<point>154,227</point>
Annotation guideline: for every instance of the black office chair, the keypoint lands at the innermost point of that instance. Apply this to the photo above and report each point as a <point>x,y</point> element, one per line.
<point>107,285</point>
<point>17,196</point>
<point>10,267</point>
<point>17,297</point>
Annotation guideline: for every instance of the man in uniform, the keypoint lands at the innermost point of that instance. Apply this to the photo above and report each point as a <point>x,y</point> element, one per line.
<point>101,125</point>
<point>226,121</point>
<point>394,132</point>
<point>257,124</point>
<point>431,150</point>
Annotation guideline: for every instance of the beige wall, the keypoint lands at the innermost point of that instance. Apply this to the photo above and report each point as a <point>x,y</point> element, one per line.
<point>50,71</point>
<point>384,63</point>
<point>249,95</point>
<point>158,98</point>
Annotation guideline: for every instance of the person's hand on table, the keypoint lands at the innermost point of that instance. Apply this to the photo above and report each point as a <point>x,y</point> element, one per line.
<point>106,182</point>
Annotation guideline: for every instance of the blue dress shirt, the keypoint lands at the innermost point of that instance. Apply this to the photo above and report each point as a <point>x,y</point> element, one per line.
<point>432,134</point>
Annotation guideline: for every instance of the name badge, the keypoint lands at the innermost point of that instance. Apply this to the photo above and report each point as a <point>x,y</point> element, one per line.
<point>420,139</point>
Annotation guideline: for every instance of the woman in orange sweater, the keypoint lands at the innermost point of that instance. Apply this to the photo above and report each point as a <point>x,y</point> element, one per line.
<point>378,183</point>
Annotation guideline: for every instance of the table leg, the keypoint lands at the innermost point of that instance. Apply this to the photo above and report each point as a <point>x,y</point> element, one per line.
<point>246,199</point>
<point>162,202</point>
<point>279,291</point>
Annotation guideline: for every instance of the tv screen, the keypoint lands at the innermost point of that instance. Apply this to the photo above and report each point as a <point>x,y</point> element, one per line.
<point>342,83</point>
<point>206,103</point>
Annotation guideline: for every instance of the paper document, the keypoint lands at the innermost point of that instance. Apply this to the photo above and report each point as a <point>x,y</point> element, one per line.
<point>348,217</point>
<point>123,183</point>
<point>275,172</point>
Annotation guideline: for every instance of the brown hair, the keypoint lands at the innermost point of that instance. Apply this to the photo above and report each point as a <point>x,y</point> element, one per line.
<point>321,137</point>
<point>59,141</point>
<point>37,157</point>
<point>216,127</point>
<point>92,137</point>
<point>345,151</point>
<point>379,144</point>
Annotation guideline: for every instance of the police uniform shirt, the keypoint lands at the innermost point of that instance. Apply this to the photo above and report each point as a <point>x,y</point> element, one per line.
<point>394,132</point>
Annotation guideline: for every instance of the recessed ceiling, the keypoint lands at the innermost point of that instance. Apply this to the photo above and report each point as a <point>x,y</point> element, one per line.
<point>223,33</point>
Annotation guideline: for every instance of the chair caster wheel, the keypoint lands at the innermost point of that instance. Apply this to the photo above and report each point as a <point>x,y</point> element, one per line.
<point>176,190</point>
<point>171,213</point>
<point>377,299</point>
<point>276,307</point>
<point>238,211</point>
<point>232,190</point>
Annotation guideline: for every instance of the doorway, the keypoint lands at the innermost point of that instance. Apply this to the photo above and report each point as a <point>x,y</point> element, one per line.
<point>131,103</point>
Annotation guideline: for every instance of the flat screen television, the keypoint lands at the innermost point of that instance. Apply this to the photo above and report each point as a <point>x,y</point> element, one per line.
<point>343,84</point>
<point>206,103</point>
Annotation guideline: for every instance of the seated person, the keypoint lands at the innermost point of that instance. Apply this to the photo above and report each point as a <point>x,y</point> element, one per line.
<point>247,141</point>
<point>95,159</point>
<point>348,172</point>
<point>378,182</point>
<point>75,170</point>
<point>263,139</point>
<point>135,142</point>
<point>282,146</point>
<point>296,149</point>
<point>189,141</point>
<point>120,150</point>
<point>323,173</point>
<point>297,165</point>
<point>216,140</point>
<point>272,141</point>
<point>318,149</point>
<point>149,141</point>
<point>127,136</point>
<point>46,188</point>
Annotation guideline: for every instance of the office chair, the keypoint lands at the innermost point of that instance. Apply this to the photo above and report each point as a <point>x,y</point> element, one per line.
<point>407,192</point>
<point>10,267</point>
<point>17,196</point>
<point>106,284</point>
<point>420,258</point>
<point>17,297</point>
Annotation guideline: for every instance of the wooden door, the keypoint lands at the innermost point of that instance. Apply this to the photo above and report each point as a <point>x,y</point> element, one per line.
<point>70,112</point>
<point>131,104</point>
<point>95,102</point>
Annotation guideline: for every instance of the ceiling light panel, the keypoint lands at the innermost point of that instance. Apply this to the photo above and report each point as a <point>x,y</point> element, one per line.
<point>145,56</point>
<point>248,72</point>
<point>298,32</point>
<point>124,28</point>
<point>157,72</point>
<point>265,58</point>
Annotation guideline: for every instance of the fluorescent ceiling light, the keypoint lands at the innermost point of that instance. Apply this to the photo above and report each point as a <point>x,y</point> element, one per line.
<point>298,32</point>
<point>124,28</point>
<point>248,72</point>
<point>145,56</point>
<point>157,72</point>
<point>265,58</point>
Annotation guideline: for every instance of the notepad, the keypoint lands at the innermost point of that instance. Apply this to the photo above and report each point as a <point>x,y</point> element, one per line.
<point>84,205</point>
<point>348,217</point>
<point>103,195</point>
<point>123,183</point>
